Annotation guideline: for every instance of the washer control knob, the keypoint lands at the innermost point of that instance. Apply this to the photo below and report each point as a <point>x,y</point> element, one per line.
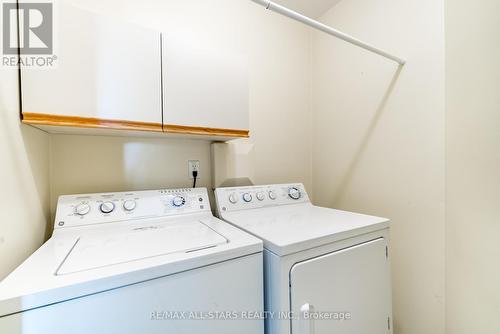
<point>260,196</point>
<point>107,207</point>
<point>129,205</point>
<point>247,197</point>
<point>82,209</point>
<point>294,193</point>
<point>178,201</point>
<point>233,198</point>
<point>272,195</point>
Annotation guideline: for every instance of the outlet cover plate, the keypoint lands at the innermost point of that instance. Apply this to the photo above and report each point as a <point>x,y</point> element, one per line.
<point>193,165</point>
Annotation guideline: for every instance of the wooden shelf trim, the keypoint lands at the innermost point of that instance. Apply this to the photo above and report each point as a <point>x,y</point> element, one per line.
<point>88,122</point>
<point>195,130</point>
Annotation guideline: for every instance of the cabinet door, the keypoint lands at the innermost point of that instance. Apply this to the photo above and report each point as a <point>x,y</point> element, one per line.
<point>106,69</point>
<point>354,281</point>
<point>204,88</point>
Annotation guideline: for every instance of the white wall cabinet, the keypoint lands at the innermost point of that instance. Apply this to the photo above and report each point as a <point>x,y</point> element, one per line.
<point>203,87</point>
<point>108,74</point>
<point>118,76</point>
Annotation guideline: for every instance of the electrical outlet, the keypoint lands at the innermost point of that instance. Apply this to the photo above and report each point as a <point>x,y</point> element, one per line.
<point>193,165</point>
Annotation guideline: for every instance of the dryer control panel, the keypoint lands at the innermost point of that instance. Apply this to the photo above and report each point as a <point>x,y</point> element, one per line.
<point>242,198</point>
<point>88,209</point>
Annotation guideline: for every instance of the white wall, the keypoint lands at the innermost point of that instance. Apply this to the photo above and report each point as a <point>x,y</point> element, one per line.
<point>279,60</point>
<point>378,141</point>
<point>86,164</point>
<point>24,175</point>
<point>473,166</point>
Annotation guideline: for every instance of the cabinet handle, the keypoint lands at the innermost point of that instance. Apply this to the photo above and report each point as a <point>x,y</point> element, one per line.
<point>306,322</point>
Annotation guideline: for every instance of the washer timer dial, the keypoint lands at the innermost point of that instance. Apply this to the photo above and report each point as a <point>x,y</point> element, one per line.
<point>178,201</point>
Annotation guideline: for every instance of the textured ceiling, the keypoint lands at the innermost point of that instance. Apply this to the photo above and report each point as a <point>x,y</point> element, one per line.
<point>312,8</point>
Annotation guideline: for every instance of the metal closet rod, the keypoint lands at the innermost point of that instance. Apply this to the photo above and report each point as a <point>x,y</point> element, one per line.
<point>329,30</point>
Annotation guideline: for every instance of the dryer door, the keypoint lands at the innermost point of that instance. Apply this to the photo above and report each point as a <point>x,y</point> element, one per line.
<point>347,292</point>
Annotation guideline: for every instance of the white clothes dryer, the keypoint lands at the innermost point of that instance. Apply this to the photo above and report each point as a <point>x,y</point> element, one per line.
<point>326,271</point>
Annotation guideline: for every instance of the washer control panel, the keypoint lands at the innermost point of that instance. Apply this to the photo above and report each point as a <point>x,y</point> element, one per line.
<point>241,198</point>
<point>78,210</point>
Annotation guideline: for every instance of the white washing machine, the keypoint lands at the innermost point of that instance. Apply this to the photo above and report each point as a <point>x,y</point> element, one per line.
<point>326,271</point>
<point>137,262</point>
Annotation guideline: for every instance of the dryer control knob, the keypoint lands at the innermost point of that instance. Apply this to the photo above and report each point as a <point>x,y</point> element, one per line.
<point>260,196</point>
<point>272,195</point>
<point>178,201</point>
<point>294,193</point>
<point>233,198</point>
<point>107,207</point>
<point>129,205</point>
<point>247,197</point>
<point>82,209</point>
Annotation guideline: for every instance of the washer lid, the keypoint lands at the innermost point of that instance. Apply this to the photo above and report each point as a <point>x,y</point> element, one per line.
<point>94,250</point>
<point>287,229</point>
